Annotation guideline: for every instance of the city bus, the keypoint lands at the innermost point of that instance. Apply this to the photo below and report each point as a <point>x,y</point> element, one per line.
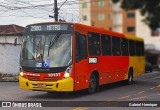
<point>67,57</point>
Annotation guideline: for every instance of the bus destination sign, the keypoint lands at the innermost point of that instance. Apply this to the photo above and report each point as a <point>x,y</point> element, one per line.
<point>50,27</point>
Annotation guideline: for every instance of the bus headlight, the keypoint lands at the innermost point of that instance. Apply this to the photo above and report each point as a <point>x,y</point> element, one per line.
<point>21,74</point>
<point>67,72</point>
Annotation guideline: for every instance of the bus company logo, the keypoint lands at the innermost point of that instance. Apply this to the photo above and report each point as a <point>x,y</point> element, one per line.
<point>6,104</point>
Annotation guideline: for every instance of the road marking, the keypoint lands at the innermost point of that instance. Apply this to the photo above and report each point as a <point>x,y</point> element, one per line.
<point>158,86</point>
<point>141,92</point>
<point>79,108</point>
<point>140,98</point>
<point>124,97</point>
<point>152,88</point>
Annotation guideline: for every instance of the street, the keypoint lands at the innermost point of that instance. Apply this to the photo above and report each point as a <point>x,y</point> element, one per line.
<point>145,88</point>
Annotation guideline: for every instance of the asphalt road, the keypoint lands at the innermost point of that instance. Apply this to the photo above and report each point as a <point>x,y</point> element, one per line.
<point>145,88</point>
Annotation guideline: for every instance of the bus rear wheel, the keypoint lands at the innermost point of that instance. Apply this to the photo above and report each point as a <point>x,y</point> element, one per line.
<point>92,84</point>
<point>130,77</point>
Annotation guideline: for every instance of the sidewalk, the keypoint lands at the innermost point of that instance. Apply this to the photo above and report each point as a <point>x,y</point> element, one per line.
<point>8,78</point>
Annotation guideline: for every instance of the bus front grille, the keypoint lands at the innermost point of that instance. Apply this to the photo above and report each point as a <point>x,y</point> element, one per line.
<point>37,78</point>
<point>50,78</point>
<point>34,78</point>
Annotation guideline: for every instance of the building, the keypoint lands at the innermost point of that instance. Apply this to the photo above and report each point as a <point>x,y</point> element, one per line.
<point>85,16</point>
<point>104,14</point>
<point>100,11</point>
<point>8,33</point>
<point>110,16</point>
<point>9,52</point>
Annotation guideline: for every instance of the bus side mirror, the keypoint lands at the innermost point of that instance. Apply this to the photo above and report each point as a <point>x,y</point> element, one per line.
<point>15,41</point>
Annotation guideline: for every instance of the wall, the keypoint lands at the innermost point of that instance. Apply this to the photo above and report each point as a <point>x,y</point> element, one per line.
<point>10,39</point>
<point>106,11</point>
<point>117,18</point>
<point>128,22</point>
<point>86,12</point>
<point>9,58</point>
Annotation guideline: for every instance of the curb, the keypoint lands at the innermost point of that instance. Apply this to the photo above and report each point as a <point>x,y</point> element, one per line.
<point>6,78</point>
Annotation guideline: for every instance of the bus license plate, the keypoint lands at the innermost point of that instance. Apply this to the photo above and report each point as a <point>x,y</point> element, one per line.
<point>41,85</point>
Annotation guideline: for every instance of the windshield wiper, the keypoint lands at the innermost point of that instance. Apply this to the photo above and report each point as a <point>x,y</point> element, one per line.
<point>52,43</point>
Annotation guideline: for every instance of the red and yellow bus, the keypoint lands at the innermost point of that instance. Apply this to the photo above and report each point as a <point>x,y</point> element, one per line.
<point>70,56</point>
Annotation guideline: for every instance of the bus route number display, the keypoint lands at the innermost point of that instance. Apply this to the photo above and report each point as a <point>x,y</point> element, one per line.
<point>49,27</point>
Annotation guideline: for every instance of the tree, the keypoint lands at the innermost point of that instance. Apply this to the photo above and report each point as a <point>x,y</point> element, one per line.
<point>148,8</point>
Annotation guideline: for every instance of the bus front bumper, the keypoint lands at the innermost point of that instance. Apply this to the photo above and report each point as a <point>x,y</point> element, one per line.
<point>65,85</point>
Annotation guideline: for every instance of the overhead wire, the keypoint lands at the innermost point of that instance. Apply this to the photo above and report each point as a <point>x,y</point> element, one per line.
<point>27,7</point>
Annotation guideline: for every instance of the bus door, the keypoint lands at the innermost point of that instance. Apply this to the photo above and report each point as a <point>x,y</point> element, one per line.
<point>81,64</point>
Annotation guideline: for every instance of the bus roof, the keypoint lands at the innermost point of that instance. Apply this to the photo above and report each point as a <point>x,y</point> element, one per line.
<point>95,29</point>
<point>52,23</point>
<point>132,37</point>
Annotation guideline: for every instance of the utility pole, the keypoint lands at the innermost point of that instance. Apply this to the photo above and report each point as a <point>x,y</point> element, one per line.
<point>55,11</point>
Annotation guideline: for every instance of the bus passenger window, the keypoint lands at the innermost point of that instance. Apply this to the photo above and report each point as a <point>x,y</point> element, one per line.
<point>94,44</point>
<point>81,47</point>
<point>116,51</point>
<point>106,45</point>
<point>138,48</point>
<point>132,48</point>
<point>124,47</point>
<point>142,48</point>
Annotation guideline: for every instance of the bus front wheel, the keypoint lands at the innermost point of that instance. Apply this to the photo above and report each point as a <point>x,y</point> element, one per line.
<point>92,84</point>
<point>130,77</point>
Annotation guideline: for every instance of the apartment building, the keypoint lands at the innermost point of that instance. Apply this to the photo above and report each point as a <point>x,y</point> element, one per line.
<point>85,13</point>
<point>104,14</point>
<point>107,15</point>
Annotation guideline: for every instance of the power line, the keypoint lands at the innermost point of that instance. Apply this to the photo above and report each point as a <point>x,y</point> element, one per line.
<point>15,5</point>
<point>62,4</point>
<point>73,11</point>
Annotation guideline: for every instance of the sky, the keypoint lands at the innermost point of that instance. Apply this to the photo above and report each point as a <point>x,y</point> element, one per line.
<point>24,12</point>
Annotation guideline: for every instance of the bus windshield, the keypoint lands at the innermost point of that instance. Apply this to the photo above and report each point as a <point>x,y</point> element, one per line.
<point>46,51</point>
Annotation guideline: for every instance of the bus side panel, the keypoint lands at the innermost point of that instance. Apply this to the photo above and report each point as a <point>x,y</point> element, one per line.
<point>81,71</point>
<point>105,70</point>
<point>113,68</point>
<point>133,64</point>
<point>137,63</point>
<point>122,70</point>
<point>141,65</point>
<point>92,67</point>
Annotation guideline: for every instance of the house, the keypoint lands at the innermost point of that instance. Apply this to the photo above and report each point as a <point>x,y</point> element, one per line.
<point>9,53</point>
<point>8,33</point>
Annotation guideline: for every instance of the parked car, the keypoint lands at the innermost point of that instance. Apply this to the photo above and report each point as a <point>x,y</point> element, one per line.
<point>148,67</point>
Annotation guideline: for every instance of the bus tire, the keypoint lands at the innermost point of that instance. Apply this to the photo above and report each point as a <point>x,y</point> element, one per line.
<point>130,77</point>
<point>92,84</point>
